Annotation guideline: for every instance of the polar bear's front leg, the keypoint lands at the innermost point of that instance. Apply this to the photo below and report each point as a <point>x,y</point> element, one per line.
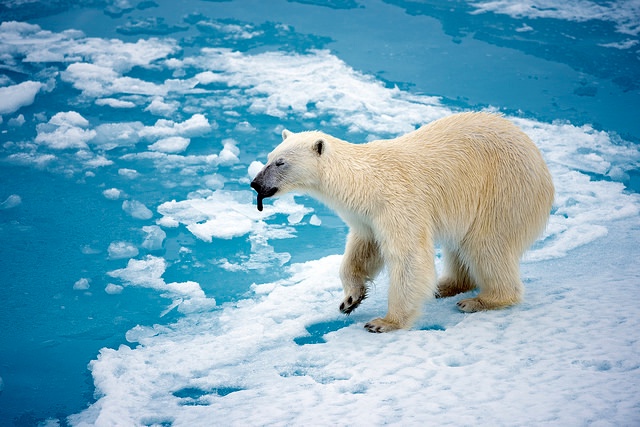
<point>361,263</point>
<point>412,280</point>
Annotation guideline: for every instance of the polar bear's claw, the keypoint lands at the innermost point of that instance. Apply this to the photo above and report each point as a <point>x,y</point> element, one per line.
<point>349,304</point>
<point>377,326</point>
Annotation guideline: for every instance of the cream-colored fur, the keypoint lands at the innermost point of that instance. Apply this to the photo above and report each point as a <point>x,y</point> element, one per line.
<point>472,182</point>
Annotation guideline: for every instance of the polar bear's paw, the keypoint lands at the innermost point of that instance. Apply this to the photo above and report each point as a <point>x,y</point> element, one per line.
<point>351,302</point>
<point>471,305</point>
<point>380,325</point>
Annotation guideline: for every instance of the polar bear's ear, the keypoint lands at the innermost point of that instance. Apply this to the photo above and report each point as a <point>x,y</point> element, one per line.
<point>286,134</point>
<point>318,146</point>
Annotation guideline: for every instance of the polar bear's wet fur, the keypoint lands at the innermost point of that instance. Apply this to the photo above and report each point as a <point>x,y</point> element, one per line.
<point>472,182</point>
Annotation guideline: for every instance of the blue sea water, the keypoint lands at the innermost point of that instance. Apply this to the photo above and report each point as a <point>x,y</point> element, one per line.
<point>140,103</point>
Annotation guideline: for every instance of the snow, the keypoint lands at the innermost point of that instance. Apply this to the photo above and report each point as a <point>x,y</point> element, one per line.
<point>567,356</point>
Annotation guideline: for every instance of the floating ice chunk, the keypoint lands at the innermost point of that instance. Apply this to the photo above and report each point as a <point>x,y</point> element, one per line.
<point>96,161</point>
<point>11,202</point>
<point>119,250</point>
<point>353,99</point>
<point>314,220</point>
<point>623,45</point>
<point>82,284</point>
<point>147,273</point>
<point>168,222</point>
<point>214,182</point>
<point>113,289</point>
<point>226,226</point>
<point>115,103</point>
<point>197,125</point>
<point>136,209</point>
<point>172,144</point>
<point>154,237</point>
<point>93,80</point>
<point>245,126</point>
<point>254,168</point>
<point>160,107</point>
<point>89,250</point>
<point>113,135</point>
<point>112,193</point>
<point>12,98</point>
<point>65,130</point>
<point>17,121</point>
<point>128,173</point>
<point>622,14</point>
<point>230,152</point>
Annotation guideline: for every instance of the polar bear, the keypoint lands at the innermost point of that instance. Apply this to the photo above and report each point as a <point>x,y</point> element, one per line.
<point>472,182</point>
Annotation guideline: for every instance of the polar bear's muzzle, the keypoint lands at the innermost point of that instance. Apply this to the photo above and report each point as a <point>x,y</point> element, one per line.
<point>262,185</point>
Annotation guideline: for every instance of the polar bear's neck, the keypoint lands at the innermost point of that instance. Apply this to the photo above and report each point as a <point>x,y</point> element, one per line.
<point>348,180</point>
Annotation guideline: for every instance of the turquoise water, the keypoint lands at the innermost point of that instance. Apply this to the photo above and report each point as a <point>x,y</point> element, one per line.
<point>135,104</point>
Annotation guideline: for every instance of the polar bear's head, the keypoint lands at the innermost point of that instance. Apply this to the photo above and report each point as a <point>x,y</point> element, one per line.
<point>292,166</point>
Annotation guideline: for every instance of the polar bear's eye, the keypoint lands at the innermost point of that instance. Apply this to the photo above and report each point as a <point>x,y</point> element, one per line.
<point>279,162</point>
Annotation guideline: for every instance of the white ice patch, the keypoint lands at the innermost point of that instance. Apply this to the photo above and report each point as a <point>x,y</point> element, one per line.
<point>197,125</point>
<point>254,168</point>
<point>624,14</point>
<point>154,237</point>
<point>12,98</point>
<point>82,284</point>
<point>128,173</point>
<point>172,144</point>
<point>228,214</point>
<point>112,193</point>
<point>120,250</point>
<point>17,121</point>
<point>147,273</point>
<point>115,103</point>
<point>65,130</point>
<point>113,289</point>
<point>583,206</point>
<point>11,202</point>
<point>279,84</point>
<point>159,107</point>
<point>314,220</point>
<point>113,135</point>
<point>136,209</point>
<point>286,357</point>
<point>230,152</point>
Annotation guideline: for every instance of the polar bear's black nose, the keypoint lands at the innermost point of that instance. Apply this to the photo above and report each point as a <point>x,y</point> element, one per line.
<point>256,186</point>
<point>263,191</point>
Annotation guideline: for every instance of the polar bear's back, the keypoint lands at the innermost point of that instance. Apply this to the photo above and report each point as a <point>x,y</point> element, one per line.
<point>480,171</point>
